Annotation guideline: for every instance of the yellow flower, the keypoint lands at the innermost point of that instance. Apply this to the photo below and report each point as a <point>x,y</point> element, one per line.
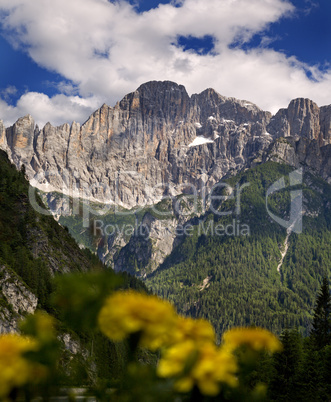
<point>40,325</point>
<point>254,338</point>
<point>203,365</point>
<point>176,358</point>
<point>215,366</point>
<point>199,331</point>
<point>15,370</point>
<point>128,312</point>
<point>44,326</point>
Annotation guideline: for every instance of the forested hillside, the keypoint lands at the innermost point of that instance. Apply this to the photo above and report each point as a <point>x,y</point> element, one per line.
<point>237,278</point>
<point>233,279</point>
<point>231,276</point>
<point>31,244</point>
<point>36,254</point>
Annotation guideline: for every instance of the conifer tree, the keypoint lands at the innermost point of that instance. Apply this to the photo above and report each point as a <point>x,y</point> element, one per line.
<point>284,385</point>
<point>311,375</point>
<point>321,331</point>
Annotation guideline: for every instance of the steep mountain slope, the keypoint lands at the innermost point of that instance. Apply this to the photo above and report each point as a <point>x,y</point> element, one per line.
<point>226,270</point>
<point>33,247</point>
<point>157,140</point>
<point>159,145</point>
<point>122,154</point>
<point>136,240</point>
<point>235,269</point>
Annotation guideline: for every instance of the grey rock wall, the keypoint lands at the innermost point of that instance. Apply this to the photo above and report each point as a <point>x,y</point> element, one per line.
<point>17,301</point>
<point>133,153</point>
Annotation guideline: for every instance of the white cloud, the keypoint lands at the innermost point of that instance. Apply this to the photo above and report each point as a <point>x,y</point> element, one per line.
<point>8,92</point>
<point>107,50</point>
<point>58,109</point>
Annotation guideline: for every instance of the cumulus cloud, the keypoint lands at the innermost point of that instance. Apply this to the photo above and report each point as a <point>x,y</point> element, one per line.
<point>106,49</point>
<point>58,109</point>
<point>8,92</point>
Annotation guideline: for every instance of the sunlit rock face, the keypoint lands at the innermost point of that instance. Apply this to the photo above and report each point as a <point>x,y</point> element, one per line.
<point>303,136</point>
<point>158,140</point>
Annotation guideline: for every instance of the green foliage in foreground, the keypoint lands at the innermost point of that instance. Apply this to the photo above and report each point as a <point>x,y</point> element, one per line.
<point>300,370</point>
<point>233,280</point>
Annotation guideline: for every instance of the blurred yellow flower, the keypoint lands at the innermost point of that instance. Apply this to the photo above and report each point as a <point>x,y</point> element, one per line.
<point>255,338</point>
<point>44,326</point>
<point>15,370</point>
<point>203,365</point>
<point>176,358</point>
<point>215,366</point>
<point>128,312</point>
<point>199,330</point>
<point>39,325</point>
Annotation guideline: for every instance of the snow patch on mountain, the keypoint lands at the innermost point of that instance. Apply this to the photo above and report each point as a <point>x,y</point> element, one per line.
<point>200,141</point>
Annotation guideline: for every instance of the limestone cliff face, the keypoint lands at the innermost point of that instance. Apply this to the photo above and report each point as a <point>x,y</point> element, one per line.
<point>300,119</point>
<point>3,138</point>
<point>325,124</point>
<point>158,138</point>
<point>302,152</point>
<point>303,136</point>
<point>17,301</point>
<point>159,141</point>
<point>135,152</point>
<point>148,247</point>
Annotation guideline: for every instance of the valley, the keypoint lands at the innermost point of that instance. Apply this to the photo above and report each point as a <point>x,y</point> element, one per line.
<point>173,189</point>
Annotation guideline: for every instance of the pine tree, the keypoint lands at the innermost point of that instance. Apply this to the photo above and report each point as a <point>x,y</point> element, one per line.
<point>311,374</point>
<point>321,331</point>
<point>284,385</point>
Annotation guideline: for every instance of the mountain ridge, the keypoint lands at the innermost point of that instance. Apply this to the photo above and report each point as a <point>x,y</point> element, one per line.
<point>148,139</point>
<point>209,90</point>
<point>143,148</point>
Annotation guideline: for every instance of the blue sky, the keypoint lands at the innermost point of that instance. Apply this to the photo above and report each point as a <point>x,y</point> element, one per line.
<point>61,60</point>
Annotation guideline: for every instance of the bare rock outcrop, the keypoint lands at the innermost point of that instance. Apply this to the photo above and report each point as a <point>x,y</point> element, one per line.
<point>135,152</point>
<point>157,139</point>
<point>17,300</point>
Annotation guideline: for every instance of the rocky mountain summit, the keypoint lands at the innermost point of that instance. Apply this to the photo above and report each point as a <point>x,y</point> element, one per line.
<point>158,140</point>
<point>303,133</point>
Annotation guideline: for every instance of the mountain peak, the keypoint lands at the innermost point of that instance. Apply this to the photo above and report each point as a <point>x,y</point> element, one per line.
<point>303,104</point>
<point>149,132</point>
<point>27,119</point>
<point>160,86</point>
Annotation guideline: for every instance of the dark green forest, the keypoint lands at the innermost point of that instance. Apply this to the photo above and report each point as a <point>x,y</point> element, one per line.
<point>233,280</point>
<point>302,370</point>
